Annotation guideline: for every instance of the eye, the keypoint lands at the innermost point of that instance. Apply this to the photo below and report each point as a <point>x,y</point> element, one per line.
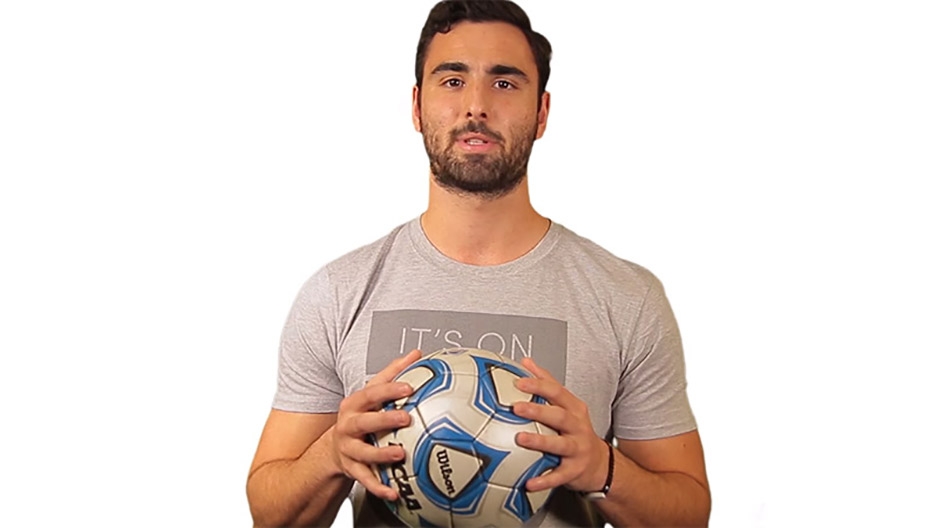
<point>453,83</point>
<point>503,85</point>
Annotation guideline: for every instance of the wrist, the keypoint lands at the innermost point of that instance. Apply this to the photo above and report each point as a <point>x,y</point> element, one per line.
<point>600,468</point>
<point>329,454</point>
<point>601,478</point>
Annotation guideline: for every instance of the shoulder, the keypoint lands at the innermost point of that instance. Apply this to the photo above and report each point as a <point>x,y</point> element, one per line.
<point>603,268</point>
<point>352,264</point>
<point>354,270</point>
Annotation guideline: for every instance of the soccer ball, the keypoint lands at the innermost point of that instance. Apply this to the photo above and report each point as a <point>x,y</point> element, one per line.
<point>462,466</point>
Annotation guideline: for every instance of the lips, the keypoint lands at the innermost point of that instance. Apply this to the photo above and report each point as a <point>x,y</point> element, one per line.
<point>476,144</point>
<point>475,139</point>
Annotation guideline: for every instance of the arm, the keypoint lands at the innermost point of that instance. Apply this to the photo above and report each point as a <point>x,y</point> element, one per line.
<point>306,463</point>
<point>659,482</point>
<point>294,479</point>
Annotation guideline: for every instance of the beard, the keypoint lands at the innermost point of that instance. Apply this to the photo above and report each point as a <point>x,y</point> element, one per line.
<point>489,175</point>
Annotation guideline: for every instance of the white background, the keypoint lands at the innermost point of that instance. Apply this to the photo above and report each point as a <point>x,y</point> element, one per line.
<point>173,171</point>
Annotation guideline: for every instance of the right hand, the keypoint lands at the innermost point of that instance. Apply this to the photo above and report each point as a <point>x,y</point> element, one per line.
<point>360,415</point>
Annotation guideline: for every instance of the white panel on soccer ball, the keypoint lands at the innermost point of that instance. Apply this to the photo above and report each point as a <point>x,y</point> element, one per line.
<point>455,404</point>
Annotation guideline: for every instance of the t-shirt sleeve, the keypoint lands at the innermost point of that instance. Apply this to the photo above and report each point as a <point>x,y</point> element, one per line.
<point>651,400</point>
<point>306,375</point>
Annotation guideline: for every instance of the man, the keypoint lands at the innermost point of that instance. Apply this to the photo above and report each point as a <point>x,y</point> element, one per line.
<point>482,268</point>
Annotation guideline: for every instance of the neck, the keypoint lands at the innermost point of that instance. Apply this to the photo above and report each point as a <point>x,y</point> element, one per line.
<point>481,231</point>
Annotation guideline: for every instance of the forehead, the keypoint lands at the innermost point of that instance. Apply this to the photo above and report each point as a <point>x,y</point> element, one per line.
<point>481,44</point>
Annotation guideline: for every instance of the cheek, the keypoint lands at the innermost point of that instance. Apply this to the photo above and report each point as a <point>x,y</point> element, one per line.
<point>530,116</point>
<point>523,125</point>
<point>437,125</point>
<point>440,117</point>
<point>439,110</point>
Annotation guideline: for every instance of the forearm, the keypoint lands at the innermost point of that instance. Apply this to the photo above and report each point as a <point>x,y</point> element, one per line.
<point>306,491</point>
<point>638,497</point>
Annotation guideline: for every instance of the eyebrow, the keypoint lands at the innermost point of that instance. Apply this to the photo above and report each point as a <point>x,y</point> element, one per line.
<point>501,69</point>
<point>458,67</point>
<point>462,67</point>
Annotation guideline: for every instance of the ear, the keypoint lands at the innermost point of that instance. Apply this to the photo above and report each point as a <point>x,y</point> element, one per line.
<point>415,109</point>
<point>542,114</point>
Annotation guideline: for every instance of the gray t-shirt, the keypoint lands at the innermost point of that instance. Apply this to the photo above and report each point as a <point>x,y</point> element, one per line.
<point>601,325</point>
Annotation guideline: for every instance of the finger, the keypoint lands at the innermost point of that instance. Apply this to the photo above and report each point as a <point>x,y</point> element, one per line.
<point>378,395</point>
<point>538,372</point>
<point>553,416</point>
<point>554,479</point>
<point>550,390</point>
<point>359,425</point>
<point>363,474</point>
<point>374,396</point>
<point>359,452</point>
<point>394,368</point>
<point>562,446</point>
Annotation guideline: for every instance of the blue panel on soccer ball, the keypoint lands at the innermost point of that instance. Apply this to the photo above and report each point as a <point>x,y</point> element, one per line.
<point>518,502</point>
<point>487,398</point>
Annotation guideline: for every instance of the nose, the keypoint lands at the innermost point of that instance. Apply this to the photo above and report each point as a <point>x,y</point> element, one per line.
<point>476,102</point>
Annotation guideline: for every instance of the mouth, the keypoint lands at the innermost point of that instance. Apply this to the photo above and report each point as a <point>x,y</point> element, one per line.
<point>476,143</point>
<point>475,139</point>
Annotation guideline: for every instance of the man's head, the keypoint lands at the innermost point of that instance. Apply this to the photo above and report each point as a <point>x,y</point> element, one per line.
<point>480,99</point>
<point>448,13</point>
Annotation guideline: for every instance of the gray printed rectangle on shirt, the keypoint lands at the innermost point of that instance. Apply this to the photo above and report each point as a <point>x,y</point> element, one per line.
<point>396,332</point>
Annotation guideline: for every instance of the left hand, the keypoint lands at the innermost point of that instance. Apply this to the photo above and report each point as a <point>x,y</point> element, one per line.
<point>584,456</point>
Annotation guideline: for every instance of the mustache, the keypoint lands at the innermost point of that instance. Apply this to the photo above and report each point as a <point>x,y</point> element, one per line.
<point>475,127</point>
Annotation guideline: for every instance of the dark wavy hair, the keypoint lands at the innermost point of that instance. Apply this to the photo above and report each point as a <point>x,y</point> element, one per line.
<point>448,13</point>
